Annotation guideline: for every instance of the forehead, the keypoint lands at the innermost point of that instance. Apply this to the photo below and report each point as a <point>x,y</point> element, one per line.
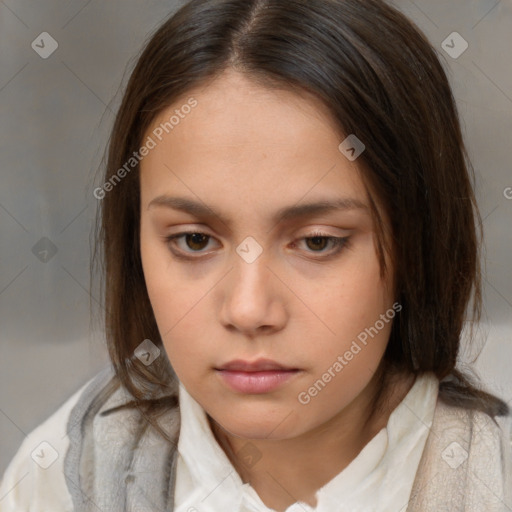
<point>249,147</point>
<point>277,114</point>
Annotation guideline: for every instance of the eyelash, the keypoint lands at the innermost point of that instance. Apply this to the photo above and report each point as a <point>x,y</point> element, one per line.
<point>338,243</point>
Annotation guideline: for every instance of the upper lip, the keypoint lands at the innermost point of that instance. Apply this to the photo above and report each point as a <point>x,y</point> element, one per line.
<point>260,365</point>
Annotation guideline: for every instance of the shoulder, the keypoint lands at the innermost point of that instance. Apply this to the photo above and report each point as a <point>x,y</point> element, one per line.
<point>35,477</point>
<point>480,438</point>
<point>469,453</point>
<point>472,424</point>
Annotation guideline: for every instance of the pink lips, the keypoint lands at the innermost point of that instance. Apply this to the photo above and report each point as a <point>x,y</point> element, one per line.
<point>261,376</point>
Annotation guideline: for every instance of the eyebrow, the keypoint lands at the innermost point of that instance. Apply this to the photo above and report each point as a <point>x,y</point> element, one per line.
<point>287,213</point>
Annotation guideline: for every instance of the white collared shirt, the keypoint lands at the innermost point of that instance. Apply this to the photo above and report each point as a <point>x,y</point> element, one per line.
<point>379,479</point>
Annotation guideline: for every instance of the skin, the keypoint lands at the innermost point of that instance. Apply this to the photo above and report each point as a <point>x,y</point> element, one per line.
<point>247,151</point>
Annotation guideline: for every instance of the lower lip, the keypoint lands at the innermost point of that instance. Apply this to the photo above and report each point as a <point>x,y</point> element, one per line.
<point>256,382</point>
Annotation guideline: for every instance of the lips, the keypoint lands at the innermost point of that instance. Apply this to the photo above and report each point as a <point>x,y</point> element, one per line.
<point>257,377</point>
<point>261,365</point>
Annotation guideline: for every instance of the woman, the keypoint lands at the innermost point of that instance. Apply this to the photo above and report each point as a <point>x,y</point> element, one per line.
<point>288,228</point>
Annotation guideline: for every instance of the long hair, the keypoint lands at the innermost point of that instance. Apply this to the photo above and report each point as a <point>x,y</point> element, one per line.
<point>380,79</point>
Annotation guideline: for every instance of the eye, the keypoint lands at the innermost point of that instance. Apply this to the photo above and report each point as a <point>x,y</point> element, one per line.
<point>317,242</point>
<point>196,242</point>
<point>193,240</point>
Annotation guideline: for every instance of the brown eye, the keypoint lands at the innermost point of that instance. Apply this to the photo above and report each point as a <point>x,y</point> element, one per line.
<point>317,242</point>
<point>192,245</point>
<point>324,245</point>
<point>196,241</point>
<point>188,243</point>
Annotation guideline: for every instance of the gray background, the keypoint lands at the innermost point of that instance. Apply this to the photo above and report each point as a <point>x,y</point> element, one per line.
<point>55,118</point>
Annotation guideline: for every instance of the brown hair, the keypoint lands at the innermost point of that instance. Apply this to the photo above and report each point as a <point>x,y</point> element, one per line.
<point>381,80</point>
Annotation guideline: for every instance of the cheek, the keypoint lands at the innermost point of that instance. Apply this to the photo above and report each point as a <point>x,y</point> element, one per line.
<point>356,298</point>
<point>182,330</point>
<point>358,309</point>
<point>166,287</point>
<point>345,365</point>
<point>164,297</point>
<point>177,304</point>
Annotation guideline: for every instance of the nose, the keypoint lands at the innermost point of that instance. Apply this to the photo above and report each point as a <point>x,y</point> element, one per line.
<point>252,301</point>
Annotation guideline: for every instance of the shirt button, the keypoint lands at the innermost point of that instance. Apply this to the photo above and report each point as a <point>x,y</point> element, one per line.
<point>129,479</point>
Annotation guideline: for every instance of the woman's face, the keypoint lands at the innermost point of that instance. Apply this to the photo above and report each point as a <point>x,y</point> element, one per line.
<point>258,176</point>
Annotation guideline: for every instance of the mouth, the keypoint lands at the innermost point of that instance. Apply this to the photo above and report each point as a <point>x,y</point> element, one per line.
<point>261,376</point>
<point>260,365</point>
